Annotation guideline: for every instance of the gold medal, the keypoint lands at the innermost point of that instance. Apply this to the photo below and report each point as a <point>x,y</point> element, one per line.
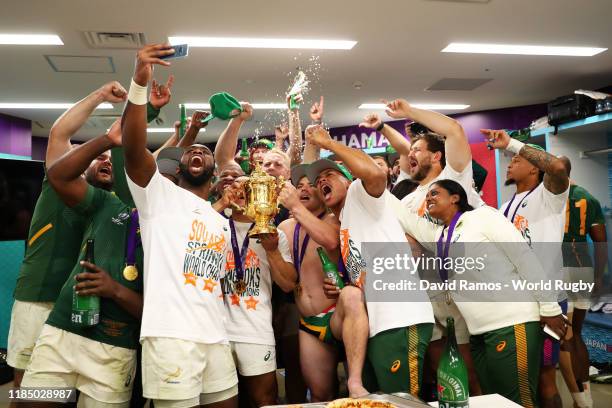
<point>130,272</point>
<point>240,287</point>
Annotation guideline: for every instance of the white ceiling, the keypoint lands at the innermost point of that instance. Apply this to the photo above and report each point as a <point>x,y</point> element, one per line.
<point>397,55</point>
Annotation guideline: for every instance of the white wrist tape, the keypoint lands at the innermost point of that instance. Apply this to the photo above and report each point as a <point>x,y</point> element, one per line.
<point>514,146</point>
<point>137,94</point>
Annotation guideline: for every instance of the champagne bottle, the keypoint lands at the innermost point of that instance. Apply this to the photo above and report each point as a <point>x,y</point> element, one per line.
<point>183,127</point>
<point>453,391</point>
<point>244,153</point>
<point>86,309</point>
<point>330,270</point>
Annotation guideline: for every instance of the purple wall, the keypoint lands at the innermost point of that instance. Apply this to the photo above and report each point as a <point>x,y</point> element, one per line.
<point>15,136</point>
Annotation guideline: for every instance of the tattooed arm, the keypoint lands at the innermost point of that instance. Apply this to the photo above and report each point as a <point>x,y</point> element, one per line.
<point>556,179</point>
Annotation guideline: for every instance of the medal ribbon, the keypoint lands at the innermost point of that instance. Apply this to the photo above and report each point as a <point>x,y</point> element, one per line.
<point>298,255</point>
<point>507,211</point>
<point>133,239</point>
<point>443,248</point>
<point>239,255</point>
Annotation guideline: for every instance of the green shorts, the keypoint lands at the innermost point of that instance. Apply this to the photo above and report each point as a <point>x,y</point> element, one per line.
<point>507,361</point>
<point>395,358</point>
<point>319,326</point>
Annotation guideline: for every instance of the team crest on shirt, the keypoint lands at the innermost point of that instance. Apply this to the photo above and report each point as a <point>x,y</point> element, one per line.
<point>524,204</point>
<point>522,224</point>
<point>353,261</point>
<point>121,218</point>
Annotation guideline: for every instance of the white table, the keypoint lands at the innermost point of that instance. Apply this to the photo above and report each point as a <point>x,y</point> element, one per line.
<point>488,401</point>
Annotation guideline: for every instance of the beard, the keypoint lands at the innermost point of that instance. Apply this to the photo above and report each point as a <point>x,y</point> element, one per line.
<point>424,170</point>
<point>93,181</point>
<point>509,182</point>
<point>198,180</point>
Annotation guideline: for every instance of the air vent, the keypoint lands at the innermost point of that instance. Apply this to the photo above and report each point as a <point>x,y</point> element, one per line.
<point>81,64</point>
<point>105,39</point>
<point>458,84</point>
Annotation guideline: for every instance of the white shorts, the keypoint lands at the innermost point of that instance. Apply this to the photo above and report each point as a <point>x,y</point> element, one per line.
<point>103,372</point>
<point>442,310</point>
<point>176,372</point>
<point>27,320</point>
<point>579,300</point>
<point>253,359</point>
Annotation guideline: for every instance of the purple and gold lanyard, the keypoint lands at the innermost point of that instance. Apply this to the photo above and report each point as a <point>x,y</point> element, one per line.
<point>133,239</point>
<point>443,248</point>
<point>239,256</point>
<point>518,205</point>
<point>298,255</point>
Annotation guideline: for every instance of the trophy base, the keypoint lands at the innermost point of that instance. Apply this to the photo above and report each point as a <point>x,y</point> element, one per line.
<point>258,230</point>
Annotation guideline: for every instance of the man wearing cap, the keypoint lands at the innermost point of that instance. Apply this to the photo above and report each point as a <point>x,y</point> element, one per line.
<point>399,331</point>
<point>186,356</point>
<point>310,227</point>
<point>168,161</point>
<point>537,210</point>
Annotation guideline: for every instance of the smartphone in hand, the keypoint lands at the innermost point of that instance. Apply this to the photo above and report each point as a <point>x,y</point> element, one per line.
<point>180,51</point>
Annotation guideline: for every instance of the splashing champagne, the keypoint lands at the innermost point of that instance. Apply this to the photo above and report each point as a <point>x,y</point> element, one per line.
<point>452,373</point>
<point>300,85</point>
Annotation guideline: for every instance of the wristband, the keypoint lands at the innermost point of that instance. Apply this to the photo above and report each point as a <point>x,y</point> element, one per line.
<point>380,127</point>
<point>515,146</point>
<point>137,94</point>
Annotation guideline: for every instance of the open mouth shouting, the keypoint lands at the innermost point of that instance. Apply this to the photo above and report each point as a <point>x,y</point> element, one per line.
<point>326,190</point>
<point>105,171</point>
<point>196,163</point>
<point>304,197</point>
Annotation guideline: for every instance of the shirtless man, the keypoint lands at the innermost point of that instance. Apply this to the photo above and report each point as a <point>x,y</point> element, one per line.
<point>313,227</point>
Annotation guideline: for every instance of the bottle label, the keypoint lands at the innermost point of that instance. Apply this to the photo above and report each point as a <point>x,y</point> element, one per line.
<point>332,276</point>
<point>452,391</point>
<point>452,404</point>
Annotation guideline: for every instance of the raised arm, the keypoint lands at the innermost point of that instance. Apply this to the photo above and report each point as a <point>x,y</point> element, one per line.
<point>556,179</point>
<point>312,152</point>
<point>395,138</point>
<point>194,128</point>
<point>65,174</point>
<point>324,231</point>
<point>295,132</point>
<point>226,145</point>
<point>281,133</point>
<point>458,153</point>
<point>75,117</point>
<point>139,162</point>
<point>360,164</point>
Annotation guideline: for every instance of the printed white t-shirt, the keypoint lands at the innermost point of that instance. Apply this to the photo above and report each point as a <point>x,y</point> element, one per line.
<point>373,219</point>
<point>184,242</point>
<point>250,313</point>
<point>415,201</point>
<point>486,236</point>
<point>540,217</point>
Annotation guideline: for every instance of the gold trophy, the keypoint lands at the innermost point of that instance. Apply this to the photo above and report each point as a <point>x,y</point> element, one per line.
<point>261,192</point>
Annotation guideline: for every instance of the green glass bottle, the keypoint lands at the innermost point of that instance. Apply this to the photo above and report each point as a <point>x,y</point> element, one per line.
<point>522,135</point>
<point>330,270</point>
<point>453,391</point>
<point>183,127</point>
<point>86,309</point>
<point>244,154</point>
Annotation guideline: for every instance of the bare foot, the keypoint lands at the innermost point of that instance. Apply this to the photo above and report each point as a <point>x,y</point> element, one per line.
<point>356,389</point>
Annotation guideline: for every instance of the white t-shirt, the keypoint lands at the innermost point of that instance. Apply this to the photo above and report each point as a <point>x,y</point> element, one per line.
<point>540,217</point>
<point>250,313</point>
<point>508,259</point>
<point>184,242</point>
<point>373,219</point>
<point>415,201</point>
